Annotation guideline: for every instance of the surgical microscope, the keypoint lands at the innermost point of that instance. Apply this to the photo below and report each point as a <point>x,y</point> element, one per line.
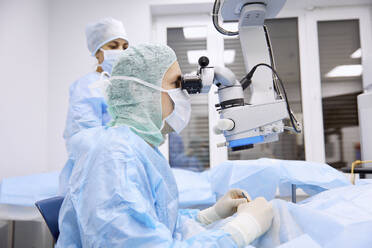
<point>258,118</point>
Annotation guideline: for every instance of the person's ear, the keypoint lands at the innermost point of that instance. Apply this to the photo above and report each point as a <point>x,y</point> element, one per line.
<point>99,56</point>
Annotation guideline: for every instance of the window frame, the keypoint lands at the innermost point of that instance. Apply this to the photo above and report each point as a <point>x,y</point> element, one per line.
<point>310,68</point>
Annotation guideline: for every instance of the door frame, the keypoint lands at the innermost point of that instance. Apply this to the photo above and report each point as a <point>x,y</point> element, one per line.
<point>310,68</point>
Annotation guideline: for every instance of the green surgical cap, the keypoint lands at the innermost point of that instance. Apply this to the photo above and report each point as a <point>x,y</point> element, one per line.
<point>133,104</point>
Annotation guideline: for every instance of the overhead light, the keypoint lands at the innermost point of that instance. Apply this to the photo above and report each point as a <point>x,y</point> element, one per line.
<point>194,55</point>
<point>229,56</point>
<point>345,71</point>
<point>357,54</point>
<point>195,32</point>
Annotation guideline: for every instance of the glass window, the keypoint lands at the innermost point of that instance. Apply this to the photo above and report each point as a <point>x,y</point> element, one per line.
<point>284,39</point>
<point>190,149</point>
<point>341,78</point>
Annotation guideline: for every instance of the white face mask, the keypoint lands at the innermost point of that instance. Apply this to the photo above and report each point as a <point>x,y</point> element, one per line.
<point>181,114</point>
<point>101,85</point>
<point>109,59</point>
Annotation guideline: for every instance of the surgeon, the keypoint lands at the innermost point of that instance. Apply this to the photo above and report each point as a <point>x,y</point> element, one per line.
<point>122,192</point>
<point>106,40</point>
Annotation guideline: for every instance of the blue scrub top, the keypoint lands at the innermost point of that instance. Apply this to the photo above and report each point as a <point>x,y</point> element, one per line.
<point>87,107</point>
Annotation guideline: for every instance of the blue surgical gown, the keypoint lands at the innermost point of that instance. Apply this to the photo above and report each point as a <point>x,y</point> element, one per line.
<point>122,193</point>
<point>87,109</point>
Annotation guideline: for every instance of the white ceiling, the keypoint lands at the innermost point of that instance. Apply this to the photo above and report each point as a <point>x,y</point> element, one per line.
<point>301,4</point>
<point>180,7</point>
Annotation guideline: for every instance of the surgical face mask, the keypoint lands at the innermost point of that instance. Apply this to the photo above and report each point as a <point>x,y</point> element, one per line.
<point>101,85</point>
<point>180,116</point>
<point>109,59</point>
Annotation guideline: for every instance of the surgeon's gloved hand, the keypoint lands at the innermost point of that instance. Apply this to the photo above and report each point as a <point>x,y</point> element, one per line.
<point>253,220</point>
<point>224,207</point>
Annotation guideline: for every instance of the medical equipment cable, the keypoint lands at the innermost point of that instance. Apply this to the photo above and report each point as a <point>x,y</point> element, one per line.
<point>272,60</point>
<point>355,163</point>
<point>248,79</point>
<point>275,76</point>
<point>216,10</point>
<point>215,13</point>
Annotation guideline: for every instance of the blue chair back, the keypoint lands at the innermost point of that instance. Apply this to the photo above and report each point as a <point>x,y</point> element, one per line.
<point>49,209</point>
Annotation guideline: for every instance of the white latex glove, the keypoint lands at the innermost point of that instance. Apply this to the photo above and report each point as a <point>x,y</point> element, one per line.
<point>253,220</point>
<point>224,207</point>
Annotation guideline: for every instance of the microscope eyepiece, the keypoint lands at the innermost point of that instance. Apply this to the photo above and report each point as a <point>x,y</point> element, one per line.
<point>192,83</point>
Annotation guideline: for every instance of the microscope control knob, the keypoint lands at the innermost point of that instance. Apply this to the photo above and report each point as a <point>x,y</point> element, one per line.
<point>217,131</point>
<point>225,124</point>
<point>276,129</point>
<point>203,61</point>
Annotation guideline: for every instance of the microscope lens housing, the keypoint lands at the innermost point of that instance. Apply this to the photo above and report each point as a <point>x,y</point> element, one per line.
<point>193,83</point>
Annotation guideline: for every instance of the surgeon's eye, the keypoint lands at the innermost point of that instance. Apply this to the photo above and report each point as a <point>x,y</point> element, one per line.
<point>125,46</point>
<point>113,45</point>
<point>177,83</point>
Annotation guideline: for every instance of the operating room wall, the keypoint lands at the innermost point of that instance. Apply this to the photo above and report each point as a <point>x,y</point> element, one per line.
<point>23,94</point>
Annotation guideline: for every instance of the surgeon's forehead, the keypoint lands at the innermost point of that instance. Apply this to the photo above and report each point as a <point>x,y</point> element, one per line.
<point>172,78</point>
<point>175,72</point>
<point>117,41</point>
<point>176,69</point>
